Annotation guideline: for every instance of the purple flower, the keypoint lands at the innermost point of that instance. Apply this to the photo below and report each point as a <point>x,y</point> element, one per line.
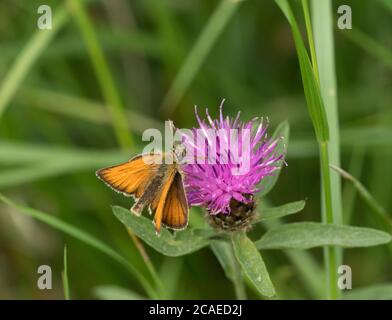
<point>226,160</point>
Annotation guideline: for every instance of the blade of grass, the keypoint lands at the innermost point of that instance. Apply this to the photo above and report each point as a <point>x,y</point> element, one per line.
<point>64,276</point>
<point>349,191</point>
<point>28,56</point>
<point>387,4</point>
<point>198,53</point>
<point>84,237</point>
<point>318,115</point>
<point>367,197</point>
<point>309,31</point>
<point>312,92</point>
<point>121,41</point>
<point>80,108</point>
<point>14,153</point>
<point>103,73</point>
<point>52,162</point>
<point>370,45</point>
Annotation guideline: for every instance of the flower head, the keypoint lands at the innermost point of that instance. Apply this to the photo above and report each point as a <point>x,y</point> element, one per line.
<point>230,159</point>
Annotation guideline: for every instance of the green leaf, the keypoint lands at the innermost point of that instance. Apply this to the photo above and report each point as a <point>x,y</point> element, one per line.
<point>282,131</point>
<point>375,292</point>
<point>311,87</point>
<point>281,211</point>
<point>224,254</point>
<point>306,235</point>
<point>183,242</point>
<point>252,264</point>
<point>170,272</point>
<point>82,236</point>
<point>108,292</point>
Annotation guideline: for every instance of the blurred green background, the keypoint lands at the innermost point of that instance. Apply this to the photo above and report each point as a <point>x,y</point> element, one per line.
<point>56,128</point>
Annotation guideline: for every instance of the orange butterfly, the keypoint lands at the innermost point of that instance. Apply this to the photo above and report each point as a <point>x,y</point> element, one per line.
<point>155,181</point>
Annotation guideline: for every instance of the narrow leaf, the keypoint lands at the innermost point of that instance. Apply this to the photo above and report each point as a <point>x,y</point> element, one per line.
<point>252,264</point>
<point>183,242</point>
<point>311,87</point>
<point>375,292</point>
<point>109,292</point>
<point>373,204</point>
<point>224,254</point>
<point>306,235</point>
<point>281,132</point>
<point>27,57</point>
<point>281,211</point>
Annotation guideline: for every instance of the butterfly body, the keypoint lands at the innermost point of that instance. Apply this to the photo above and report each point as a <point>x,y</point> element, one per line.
<point>155,181</point>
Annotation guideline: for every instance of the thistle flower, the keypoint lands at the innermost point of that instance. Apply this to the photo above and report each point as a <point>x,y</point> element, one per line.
<point>226,161</point>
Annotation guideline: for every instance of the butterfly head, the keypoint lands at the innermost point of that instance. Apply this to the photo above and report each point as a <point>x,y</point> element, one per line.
<point>179,152</point>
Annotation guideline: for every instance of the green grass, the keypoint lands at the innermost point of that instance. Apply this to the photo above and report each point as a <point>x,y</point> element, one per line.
<point>101,67</point>
<point>27,57</point>
<point>67,294</point>
<point>79,97</point>
<point>197,54</point>
<point>82,236</point>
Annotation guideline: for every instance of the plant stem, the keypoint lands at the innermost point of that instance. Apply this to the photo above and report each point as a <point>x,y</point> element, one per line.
<point>238,280</point>
<point>330,253</point>
<point>65,276</point>
<point>329,151</point>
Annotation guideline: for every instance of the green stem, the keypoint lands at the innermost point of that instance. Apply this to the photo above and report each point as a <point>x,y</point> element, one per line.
<point>330,255</point>
<point>65,276</point>
<point>322,16</point>
<point>238,280</point>
<point>326,180</point>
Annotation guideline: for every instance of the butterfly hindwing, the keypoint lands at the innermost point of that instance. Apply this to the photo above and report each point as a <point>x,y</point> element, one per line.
<point>175,212</point>
<point>171,208</point>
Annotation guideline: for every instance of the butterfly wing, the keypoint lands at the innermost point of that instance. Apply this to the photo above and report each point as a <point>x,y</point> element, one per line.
<point>132,177</point>
<point>171,207</point>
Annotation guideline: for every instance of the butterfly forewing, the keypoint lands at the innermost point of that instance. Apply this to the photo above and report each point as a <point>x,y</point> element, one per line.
<point>133,176</point>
